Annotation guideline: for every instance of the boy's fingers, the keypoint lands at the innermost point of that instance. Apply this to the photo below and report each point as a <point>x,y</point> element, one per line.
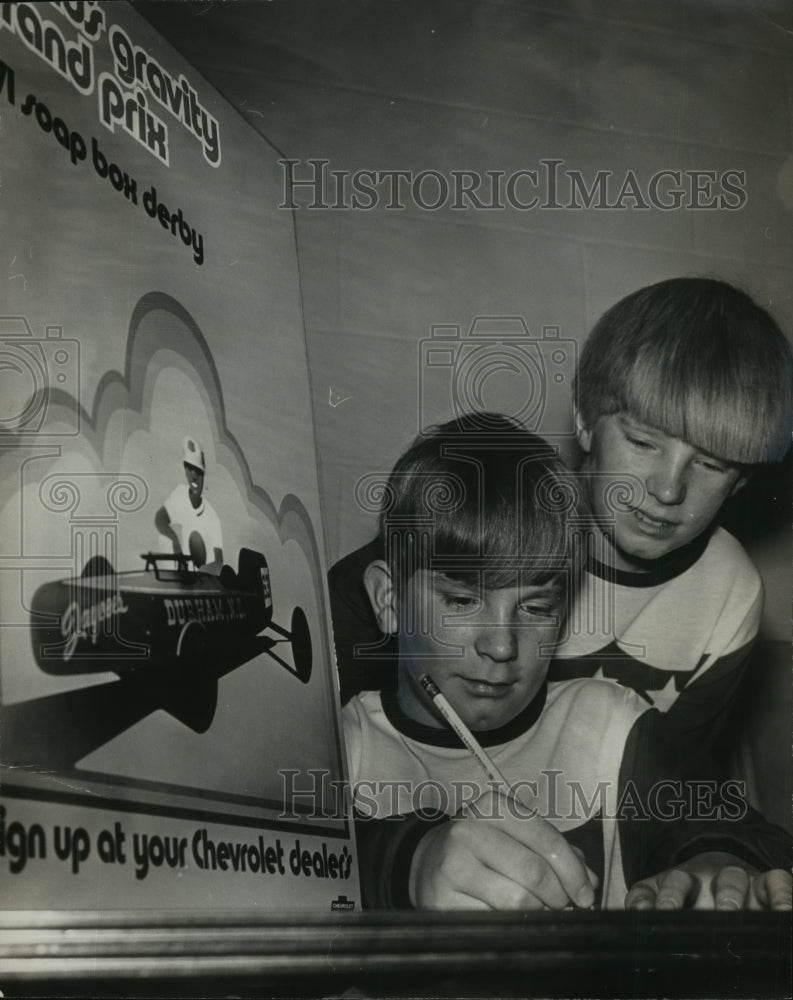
<point>482,862</point>
<point>454,900</point>
<point>537,879</point>
<point>675,888</point>
<point>544,839</point>
<point>730,888</point>
<point>772,890</point>
<point>640,897</point>
<point>594,880</point>
<point>671,890</point>
<point>531,880</point>
<point>503,893</point>
<point>529,852</point>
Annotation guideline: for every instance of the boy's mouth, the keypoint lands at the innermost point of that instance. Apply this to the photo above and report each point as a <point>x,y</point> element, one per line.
<point>654,525</point>
<point>487,689</point>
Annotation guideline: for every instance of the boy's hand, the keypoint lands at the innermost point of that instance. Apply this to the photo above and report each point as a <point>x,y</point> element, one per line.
<point>503,862</point>
<point>713,881</point>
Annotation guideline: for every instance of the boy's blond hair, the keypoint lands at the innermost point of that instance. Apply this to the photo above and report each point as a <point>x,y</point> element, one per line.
<point>698,359</point>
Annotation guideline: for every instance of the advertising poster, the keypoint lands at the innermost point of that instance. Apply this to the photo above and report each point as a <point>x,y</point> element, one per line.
<point>168,710</point>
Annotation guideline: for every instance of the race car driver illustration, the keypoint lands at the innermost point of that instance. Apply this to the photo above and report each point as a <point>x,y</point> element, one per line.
<point>187,519</point>
<point>181,610</point>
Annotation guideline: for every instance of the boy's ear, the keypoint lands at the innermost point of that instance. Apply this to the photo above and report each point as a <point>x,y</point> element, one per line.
<point>583,433</point>
<point>379,586</point>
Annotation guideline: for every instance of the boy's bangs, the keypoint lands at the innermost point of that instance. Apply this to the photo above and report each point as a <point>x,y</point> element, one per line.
<point>730,418</point>
<point>699,360</point>
<point>488,512</point>
<point>500,578</point>
<point>494,550</point>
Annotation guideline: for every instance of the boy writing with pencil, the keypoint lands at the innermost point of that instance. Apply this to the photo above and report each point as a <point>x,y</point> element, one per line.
<point>547,782</point>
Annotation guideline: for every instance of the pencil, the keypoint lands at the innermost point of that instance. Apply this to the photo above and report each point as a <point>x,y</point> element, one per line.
<point>465,734</point>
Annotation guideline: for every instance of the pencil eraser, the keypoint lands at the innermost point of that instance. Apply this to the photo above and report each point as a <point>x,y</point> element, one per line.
<point>429,685</point>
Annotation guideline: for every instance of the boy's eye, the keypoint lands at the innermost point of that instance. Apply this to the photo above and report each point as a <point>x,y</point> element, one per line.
<point>539,610</point>
<point>460,602</point>
<point>712,465</point>
<point>639,442</point>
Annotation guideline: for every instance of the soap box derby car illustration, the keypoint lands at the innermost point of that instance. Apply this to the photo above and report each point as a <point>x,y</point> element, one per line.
<point>167,615</point>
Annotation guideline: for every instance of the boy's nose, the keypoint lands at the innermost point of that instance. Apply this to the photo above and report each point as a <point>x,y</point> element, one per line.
<point>497,642</point>
<point>667,483</point>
